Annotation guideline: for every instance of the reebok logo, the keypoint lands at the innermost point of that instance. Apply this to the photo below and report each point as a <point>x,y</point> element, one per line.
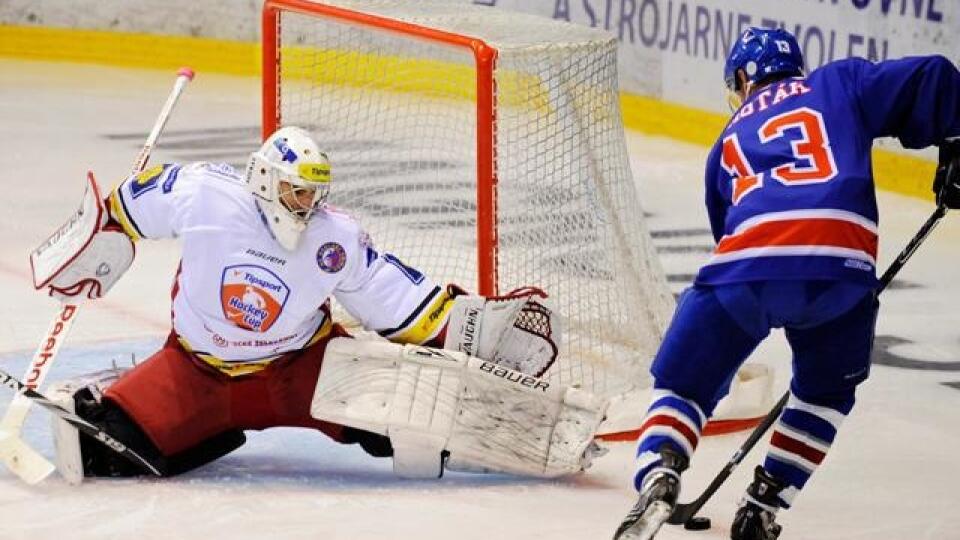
<point>51,342</point>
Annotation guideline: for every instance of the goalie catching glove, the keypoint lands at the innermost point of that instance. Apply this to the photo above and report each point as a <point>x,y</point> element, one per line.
<point>85,257</point>
<point>519,330</point>
<point>946,183</point>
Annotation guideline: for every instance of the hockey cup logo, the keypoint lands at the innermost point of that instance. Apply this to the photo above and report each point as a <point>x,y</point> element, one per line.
<point>331,257</point>
<point>252,297</point>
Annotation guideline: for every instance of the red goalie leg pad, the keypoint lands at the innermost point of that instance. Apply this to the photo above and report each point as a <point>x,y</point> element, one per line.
<point>180,401</point>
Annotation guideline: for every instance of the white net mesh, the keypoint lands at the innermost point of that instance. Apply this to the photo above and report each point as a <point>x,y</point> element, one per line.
<point>398,117</point>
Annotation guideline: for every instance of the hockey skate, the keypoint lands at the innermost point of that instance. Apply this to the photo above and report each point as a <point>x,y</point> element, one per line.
<point>755,517</point>
<point>658,496</point>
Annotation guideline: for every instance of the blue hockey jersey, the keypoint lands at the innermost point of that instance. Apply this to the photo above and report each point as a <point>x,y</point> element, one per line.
<point>789,182</point>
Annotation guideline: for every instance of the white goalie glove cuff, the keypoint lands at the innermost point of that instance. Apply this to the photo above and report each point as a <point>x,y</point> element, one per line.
<point>85,257</point>
<point>96,269</point>
<point>519,330</point>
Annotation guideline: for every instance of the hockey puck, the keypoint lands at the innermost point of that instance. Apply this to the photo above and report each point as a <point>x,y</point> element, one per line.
<point>698,523</point>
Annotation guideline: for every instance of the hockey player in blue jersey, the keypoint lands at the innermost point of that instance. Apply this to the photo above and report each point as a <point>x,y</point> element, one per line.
<point>791,202</point>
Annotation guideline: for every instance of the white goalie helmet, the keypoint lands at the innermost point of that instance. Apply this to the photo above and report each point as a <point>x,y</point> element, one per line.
<point>289,178</point>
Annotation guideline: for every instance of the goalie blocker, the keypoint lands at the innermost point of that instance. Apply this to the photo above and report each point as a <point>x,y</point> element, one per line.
<point>435,404</point>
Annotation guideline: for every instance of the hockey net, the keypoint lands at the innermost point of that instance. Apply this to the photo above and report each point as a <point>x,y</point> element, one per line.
<point>486,149</point>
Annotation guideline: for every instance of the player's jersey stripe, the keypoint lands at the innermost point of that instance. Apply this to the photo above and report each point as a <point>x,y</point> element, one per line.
<point>790,251</point>
<point>236,368</point>
<point>425,321</point>
<point>815,236</point>
<point>410,318</point>
<point>118,208</point>
<point>792,215</point>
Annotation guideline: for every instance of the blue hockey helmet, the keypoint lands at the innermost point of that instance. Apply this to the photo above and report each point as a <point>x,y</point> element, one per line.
<point>760,53</point>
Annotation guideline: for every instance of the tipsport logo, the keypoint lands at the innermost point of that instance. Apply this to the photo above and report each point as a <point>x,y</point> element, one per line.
<point>252,297</point>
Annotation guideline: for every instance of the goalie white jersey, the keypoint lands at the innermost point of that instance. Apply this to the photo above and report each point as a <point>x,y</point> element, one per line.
<point>240,297</point>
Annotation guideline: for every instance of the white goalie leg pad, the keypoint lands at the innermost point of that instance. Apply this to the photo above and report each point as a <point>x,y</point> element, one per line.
<point>520,331</point>
<point>66,438</point>
<point>489,418</point>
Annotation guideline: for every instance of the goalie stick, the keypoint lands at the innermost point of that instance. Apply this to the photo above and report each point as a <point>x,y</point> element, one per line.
<point>685,513</point>
<point>86,427</point>
<point>20,458</point>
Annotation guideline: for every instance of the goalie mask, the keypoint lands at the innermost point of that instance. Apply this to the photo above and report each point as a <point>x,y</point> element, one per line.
<point>289,178</point>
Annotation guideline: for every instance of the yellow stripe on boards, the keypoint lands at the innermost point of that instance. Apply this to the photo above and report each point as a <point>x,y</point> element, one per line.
<point>895,172</point>
<point>130,49</point>
<point>655,117</point>
<point>907,175</point>
<point>434,79</point>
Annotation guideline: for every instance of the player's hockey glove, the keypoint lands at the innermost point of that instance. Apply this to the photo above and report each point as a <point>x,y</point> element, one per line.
<point>946,183</point>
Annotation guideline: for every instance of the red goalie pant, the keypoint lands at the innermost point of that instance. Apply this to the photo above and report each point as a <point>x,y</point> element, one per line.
<point>179,400</point>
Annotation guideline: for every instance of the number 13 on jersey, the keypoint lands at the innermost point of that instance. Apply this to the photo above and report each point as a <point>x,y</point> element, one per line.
<point>813,163</point>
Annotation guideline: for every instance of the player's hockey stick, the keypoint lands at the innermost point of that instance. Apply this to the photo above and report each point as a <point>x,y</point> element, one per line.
<point>86,427</point>
<point>20,458</point>
<point>685,512</point>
